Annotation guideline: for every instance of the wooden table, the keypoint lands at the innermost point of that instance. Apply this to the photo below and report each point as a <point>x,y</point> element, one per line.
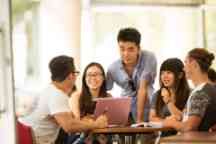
<point>191,138</point>
<point>129,130</point>
<point>127,135</point>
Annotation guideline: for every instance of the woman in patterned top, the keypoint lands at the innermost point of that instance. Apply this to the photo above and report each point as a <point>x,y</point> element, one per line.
<point>200,107</point>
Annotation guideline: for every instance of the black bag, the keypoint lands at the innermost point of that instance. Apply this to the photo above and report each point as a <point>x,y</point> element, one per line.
<point>64,138</point>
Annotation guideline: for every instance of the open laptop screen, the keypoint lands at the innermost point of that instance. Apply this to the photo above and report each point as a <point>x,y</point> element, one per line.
<point>116,109</point>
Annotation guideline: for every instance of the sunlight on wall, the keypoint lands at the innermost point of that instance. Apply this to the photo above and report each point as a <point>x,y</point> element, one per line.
<point>168,32</point>
<point>55,39</point>
<point>20,46</point>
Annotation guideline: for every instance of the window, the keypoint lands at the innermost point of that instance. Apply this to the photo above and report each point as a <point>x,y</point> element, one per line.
<point>168,31</point>
<point>210,33</point>
<point>25,43</point>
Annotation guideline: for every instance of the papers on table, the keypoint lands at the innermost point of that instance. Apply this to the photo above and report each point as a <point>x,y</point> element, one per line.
<point>148,124</point>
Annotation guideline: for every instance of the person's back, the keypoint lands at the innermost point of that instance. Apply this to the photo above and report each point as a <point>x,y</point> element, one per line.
<point>43,124</point>
<point>209,118</point>
<point>53,111</point>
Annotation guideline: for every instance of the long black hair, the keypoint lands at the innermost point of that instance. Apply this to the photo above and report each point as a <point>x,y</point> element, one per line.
<point>86,103</point>
<point>181,86</point>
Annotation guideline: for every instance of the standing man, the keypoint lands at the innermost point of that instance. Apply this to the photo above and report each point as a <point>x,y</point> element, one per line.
<point>53,111</point>
<point>134,72</point>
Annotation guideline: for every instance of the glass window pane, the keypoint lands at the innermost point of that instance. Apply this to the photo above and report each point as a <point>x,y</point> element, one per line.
<point>210,1</point>
<point>25,43</point>
<point>211,31</point>
<point>150,1</point>
<point>168,33</point>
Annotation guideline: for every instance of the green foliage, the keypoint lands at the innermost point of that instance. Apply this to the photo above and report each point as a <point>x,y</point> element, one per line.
<point>19,7</point>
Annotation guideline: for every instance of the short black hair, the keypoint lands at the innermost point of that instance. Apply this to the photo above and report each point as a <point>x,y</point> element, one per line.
<point>60,67</point>
<point>129,34</point>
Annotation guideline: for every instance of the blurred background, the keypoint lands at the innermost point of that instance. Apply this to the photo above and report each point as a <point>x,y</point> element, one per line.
<point>87,30</point>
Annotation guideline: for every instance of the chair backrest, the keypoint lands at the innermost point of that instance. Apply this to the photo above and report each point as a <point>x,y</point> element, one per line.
<point>24,133</point>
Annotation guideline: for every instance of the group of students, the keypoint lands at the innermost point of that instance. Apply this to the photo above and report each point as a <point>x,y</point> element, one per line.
<point>174,104</point>
<point>178,106</point>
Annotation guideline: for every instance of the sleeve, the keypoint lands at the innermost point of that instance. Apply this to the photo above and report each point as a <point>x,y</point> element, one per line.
<point>150,70</point>
<point>109,80</point>
<point>153,101</point>
<point>58,103</point>
<point>198,104</point>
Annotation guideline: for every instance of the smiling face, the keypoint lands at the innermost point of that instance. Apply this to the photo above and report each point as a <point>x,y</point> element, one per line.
<point>189,64</point>
<point>94,77</point>
<point>129,52</point>
<point>167,78</point>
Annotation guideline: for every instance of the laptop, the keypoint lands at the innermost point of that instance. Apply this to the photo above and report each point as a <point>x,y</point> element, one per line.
<point>116,109</point>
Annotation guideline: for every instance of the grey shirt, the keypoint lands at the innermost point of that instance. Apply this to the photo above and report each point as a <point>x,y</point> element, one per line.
<point>145,70</point>
<point>164,111</point>
<point>202,103</point>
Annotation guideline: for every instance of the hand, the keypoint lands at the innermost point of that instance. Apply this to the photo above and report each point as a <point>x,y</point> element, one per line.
<point>88,118</point>
<point>168,122</point>
<point>101,121</point>
<point>213,128</point>
<point>173,117</point>
<point>139,121</point>
<point>165,95</point>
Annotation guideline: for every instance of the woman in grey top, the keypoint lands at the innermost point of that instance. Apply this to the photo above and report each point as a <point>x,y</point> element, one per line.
<point>170,99</point>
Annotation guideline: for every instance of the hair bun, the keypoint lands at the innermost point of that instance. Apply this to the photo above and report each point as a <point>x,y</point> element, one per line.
<point>203,57</point>
<point>211,56</point>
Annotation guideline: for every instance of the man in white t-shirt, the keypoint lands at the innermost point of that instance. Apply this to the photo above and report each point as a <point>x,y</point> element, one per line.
<point>53,111</point>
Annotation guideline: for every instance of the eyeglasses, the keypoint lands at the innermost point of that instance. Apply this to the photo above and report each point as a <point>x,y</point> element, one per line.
<point>93,75</point>
<point>132,85</point>
<point>76,73</point>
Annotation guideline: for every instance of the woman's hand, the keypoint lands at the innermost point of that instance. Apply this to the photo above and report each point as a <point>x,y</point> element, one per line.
<point>174,117</point>
<point>101,121</point>
<point>213,128</point>
<point>169,121</point>
<point>88,118</point>
<point>165,95</point>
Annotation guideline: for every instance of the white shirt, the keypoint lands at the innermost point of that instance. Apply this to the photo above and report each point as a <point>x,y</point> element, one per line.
<point>51,101</point>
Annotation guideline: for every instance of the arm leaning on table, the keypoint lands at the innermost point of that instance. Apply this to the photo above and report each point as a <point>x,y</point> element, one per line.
<point>67,121</point>
<point>191,124</point>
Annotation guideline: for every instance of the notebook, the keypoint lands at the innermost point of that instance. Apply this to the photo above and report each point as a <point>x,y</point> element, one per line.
<point>148,124</point>
<point>116,109</point>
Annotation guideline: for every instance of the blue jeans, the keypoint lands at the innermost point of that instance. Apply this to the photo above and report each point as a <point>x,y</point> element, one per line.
<point>134,109</point>
<point>74,139</point>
